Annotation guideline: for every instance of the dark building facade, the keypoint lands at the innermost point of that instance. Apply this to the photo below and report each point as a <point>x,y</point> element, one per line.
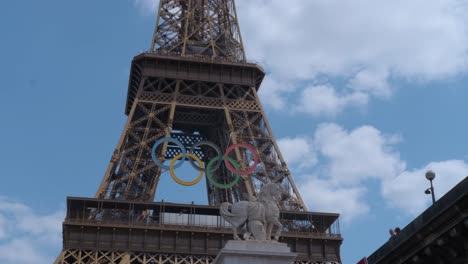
<point>437,236</point>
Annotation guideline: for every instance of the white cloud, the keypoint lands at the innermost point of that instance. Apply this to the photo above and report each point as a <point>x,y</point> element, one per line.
<point>26,236</point>
<point>348,159</point>
<point>273,92</point>
<point>322,196</point>
<point>357,155</point>
<point>406,191</point>
<point>365,42</point>
<point>298,151</point>
<point>374,82</point>
<point>22,251</point>
<point>3,227</point>
<point>324,100</point>
<point>304,38</point>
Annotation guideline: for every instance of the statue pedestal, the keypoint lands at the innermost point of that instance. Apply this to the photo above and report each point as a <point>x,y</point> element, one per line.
<point>261,252</point>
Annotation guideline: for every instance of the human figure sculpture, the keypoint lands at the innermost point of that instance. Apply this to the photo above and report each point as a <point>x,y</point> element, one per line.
<point>261,215</point>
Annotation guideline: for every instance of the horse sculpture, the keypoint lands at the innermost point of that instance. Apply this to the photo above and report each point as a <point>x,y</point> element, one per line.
<point>260,215</point>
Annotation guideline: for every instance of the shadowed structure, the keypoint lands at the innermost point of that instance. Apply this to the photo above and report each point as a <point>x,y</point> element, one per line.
<point>439,235</point>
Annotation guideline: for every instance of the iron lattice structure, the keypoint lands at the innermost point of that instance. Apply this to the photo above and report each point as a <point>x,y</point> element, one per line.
<point>192,111</point>
<point>91,256</point>
<point>200,28</point>
<point>194,84</point>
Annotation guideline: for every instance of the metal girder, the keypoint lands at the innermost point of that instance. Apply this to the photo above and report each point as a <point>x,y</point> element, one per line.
<point>198,28</point>
<point>76,256</point>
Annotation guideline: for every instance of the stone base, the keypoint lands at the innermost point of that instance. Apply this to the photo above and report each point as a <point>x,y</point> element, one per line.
<point>240,251</point>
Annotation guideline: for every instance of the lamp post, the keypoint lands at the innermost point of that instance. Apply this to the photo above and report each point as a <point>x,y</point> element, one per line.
<point>430,175</point>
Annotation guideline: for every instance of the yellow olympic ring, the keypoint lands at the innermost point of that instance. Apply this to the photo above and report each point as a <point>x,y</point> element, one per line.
<point>181,182</point>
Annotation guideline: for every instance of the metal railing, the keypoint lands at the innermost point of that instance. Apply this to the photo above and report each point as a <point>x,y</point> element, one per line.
<point>190,217</point>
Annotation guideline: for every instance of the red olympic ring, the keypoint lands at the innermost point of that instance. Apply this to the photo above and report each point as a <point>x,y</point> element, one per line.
<point>254,153</point>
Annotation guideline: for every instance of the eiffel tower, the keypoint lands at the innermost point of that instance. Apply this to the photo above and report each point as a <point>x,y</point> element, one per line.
<point>194,85</point>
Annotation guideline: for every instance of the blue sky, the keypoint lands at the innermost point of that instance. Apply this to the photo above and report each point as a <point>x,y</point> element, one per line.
<point>363,98</point>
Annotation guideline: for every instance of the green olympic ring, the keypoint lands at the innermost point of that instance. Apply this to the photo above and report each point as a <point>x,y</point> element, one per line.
<point>213,181</point>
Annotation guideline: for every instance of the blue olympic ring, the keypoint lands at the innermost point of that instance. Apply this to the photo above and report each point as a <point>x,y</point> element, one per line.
<point>175,141</point>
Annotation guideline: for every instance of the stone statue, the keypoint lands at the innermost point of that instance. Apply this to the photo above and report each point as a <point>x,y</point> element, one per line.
<point>260,215</point>
<point>269,196</point>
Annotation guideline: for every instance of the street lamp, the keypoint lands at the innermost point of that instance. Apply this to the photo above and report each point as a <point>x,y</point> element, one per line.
<point>430,175</point>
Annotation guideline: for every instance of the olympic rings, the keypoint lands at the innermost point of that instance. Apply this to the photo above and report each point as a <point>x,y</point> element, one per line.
<point>255,156</point>
<point>207,143</point>
<point>231,164</point>
<point>181,182</point>
<point>175,141</point>
<point>217,184</point>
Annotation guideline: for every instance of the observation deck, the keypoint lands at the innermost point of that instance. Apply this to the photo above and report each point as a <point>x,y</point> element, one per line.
<point>190,67</point>
<point>160,227</point>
